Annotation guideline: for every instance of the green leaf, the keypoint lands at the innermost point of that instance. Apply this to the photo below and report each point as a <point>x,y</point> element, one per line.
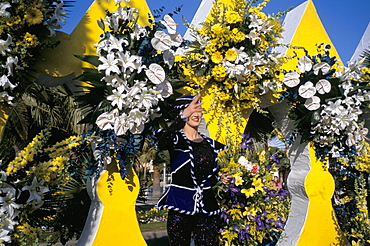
<point>93,60</point>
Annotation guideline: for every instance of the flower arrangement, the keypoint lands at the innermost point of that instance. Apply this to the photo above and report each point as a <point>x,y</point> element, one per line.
<point>34,188</point>
<point>327,103</point>
<point>151,216</point>
<point>133,83</point>
<point>231,58</point>
<point>254,210</point>
<point>25,27</point>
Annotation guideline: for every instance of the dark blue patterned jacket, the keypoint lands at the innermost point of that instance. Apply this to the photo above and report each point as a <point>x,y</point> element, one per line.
<point>184,194</point>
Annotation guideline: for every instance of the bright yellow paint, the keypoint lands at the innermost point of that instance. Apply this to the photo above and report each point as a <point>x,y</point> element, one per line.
<point>309,33</point>
<point>118,225</point>
<point>321,227</point>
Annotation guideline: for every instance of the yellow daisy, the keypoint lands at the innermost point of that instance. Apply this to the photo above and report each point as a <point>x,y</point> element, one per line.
<point>33,16</point>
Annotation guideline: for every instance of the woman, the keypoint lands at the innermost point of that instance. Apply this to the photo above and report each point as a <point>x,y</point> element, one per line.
<point>193,209</point>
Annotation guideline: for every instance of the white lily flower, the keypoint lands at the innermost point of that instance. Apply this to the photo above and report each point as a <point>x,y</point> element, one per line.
<point>101,46</point>
<point>322,66</point>
<point>8,204</point>
<point>323,86</point>
<point>234,70</point>
<point>3,7</point>
<point>137,120</point>
<point>116,44</point>
<point>4,45</point>
<point>5,82</point>
<point>113,21</point>
<point>109,64</point>
<point>6,97</point>
<point>253,36</point>
<point>312,103</point>
<point>291,79</point>
<point>36,190</point>
<point>120,127</point>
<point>129,62</point>
<point>106,120</point>
<point>138,32</point>
<point>242,56</point>
<point>59,14</point>
<point>335,108</point>
<point>146,100</point>
<point>304,64</point>
<point>255,22</point>
<point>11,62</point>
<point>4,237</point>
<point>115,81</point>
<point>118,97</point>
<point>307,90</point>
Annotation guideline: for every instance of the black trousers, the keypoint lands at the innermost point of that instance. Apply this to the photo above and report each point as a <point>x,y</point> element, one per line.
<point>202,228</point>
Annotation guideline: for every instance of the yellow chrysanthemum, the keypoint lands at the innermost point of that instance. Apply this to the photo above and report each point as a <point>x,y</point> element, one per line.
<point>219,73</point>
<point>218,29</point>
<point>237,36</point>
<point>233,17</point>
<point>217,57</point>
<point>33,16</point>
<point>231,55</point>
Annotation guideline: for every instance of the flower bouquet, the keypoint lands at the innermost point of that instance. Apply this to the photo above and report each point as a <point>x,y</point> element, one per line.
<point>25,27</point>
<point>327,102</point>
<point>254,210</point>
<point>38,190</point>
<point>231,58</point>
<point>135,79</point>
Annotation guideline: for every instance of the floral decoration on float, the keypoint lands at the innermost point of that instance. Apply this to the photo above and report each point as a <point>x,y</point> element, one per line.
<point>231,58</point>
<point>25,28</point>
<point>329,104</point>
<point>255,211</point>
<point>129,92</point>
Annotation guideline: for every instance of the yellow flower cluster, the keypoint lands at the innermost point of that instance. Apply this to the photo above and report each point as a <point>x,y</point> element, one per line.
<point>26,233</point>
<point>253,184</point>
<point>362,161</point>
<point>236,56</point>
<point>28,153</point>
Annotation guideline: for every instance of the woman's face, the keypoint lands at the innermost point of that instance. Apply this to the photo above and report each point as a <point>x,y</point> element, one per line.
<point>194,119</point>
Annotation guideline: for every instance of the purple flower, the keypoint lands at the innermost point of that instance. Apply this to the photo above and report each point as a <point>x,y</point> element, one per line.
<point>243,233</point>
<point>246,141</point>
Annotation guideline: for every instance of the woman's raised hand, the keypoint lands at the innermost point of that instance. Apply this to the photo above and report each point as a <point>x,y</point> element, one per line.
<point>193,107</point>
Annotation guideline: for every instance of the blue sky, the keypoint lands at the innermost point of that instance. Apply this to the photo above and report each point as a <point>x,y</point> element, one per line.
<point>345,21</point>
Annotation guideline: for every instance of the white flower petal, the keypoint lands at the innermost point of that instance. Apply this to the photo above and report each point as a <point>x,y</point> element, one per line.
<point>155,73</point>
<point>161,41</point>
<point>291,79</point>
<point>169,23</point>
<point>307,90</point>
<point>322,66</point>
<point>312,103</point>
<point>304,64</point>
<point>323,86</point>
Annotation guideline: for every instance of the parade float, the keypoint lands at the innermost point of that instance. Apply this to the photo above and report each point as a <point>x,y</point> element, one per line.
<point>77,109</point>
